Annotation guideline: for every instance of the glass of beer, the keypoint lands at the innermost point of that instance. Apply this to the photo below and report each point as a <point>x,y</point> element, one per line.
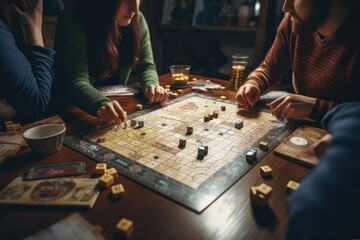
<point>180,75</point>
<point>238,67</point>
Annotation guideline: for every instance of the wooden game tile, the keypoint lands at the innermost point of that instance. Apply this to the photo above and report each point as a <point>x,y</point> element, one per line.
<point>265,171</point>
<point>112,172</point>
<point>292,186</point>
<point>100,168</point>
<point>264,146</point>
<point>139,106</point>
<point>222,88</point>
<point>264,189</point>
<point>106,180</point>
<point>117,191</point>
<point>125,227</point>
<point>223,97</point>
<point>208,81</point>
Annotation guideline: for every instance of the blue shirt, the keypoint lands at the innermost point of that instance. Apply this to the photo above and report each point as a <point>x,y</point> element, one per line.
<point>25,78</point>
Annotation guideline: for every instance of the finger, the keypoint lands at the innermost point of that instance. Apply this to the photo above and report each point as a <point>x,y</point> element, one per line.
<point>161,94</point>
<point>17,10</point>
<point>102,115</point>
<point>157,94</point>
<point>240,98</point>
<point>119,110</point>
<point>111,113</point>
<point>151,92</point>
<point>250,95</point>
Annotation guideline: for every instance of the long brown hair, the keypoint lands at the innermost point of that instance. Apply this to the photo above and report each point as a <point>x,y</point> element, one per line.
<point>108,43</point>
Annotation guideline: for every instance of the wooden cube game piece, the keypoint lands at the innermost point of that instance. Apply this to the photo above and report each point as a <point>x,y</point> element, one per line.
<point>265,190</point>
<point>223,108</point>
<point>264,146</point>
<point>223,97</point>
<point>239,124</point>
<point>292,186</point>
<point>141,123</point>
<point>106,180</point>
<point>125,227</point>
<point>174,95</point>
<point>100,168</point>
<point>189,130</point>
<point>265,171</point>
<point>112,172</point>
<point>257,198</point>
<point>117,191</point>
<point>101,139</point>
<point>182,143</point>
<point>139,106</point>
<point>222,88</point>
<point>133,122</point>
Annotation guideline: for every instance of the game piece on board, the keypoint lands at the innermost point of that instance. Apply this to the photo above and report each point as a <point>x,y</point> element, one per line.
<point>292,186</point>
<point>133,122</point>
<point>101,139</point>
<point>216,114</point>
<point>265,171</point>
<point>210,117</point>
<point>257,198</point>
<point>106,180</point>
<point>264,146</point>
<point>208,81</point>
<point>201,152</point>
<point>180,91</point>
<point>223,108</point>
<point>112,172</point>
<point>139,106</point>
<point>117,191</point>
<point>239,124</point>
<point>223,97</point>
<point>206,118</point>
<point>222,88</point>
<point>125,227</point>
<point>141,123</point>
<point>182,143</point>
<point>206,150</point>
<point>189,130</point>
<point>250,155</point>
<point>100,168</point>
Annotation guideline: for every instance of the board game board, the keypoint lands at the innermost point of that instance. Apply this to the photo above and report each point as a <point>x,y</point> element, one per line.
<point>151,154</point>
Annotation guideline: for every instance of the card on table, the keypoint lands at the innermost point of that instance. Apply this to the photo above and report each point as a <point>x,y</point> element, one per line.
<point>55,170</point>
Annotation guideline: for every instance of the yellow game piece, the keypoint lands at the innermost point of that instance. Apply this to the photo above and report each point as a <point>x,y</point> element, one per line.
<point>194,79</point>
<point>100,168</point>
<point>112,172</point>
<point>222,88</point>
<point>125,227</point>
<point>292,186</point>
<point>265,190</point>
<point>180,91</point>
<point>265,171</point>
<point>139,106</point>
<point>117,191</point>
<point>167,86</point>
<point>101,139</point>
<point>174,95</point>
<point>106,180</point>
<point>257,198</point>
<point>264,146</point>
<point>223,97</point>
<point>208,81</point>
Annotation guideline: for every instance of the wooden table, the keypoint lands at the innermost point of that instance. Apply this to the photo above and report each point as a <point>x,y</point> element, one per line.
<point>231,216</point>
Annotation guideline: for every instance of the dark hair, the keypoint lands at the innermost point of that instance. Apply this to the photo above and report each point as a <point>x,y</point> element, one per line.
<point>108,43</point>
<point>24,5</point>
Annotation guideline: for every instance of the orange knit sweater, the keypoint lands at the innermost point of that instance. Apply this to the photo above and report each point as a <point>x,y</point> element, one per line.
<point>328,70</point>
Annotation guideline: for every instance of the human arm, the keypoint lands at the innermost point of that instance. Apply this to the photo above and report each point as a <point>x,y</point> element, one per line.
<point>275,64</point>
<point>26,77</point>
<point>149,77</point>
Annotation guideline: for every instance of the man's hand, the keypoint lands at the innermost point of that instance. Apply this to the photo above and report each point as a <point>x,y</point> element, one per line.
<point>248,95</point>
<point>156,93</point>
<point>292,106</point>
<point>111,112</point>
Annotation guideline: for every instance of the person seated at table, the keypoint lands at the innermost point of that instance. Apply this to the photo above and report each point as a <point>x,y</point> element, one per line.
<point>99,43</point>
<point>326,204</point>
<point>25,64</point>
<point>317,40</point>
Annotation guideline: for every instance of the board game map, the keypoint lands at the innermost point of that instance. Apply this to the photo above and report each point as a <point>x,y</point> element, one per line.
<point>151,154</point>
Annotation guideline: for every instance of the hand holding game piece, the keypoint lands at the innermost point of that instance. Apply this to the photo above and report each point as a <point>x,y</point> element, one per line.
<point>292,106</point>
<point>247,95</point>
<point>111,112</point>
<point>156,93</point>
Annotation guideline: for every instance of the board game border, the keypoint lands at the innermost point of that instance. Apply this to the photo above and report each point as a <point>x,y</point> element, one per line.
<point>196,199</point>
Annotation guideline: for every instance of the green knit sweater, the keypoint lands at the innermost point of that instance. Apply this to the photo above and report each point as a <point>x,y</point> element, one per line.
<point>72,81</point>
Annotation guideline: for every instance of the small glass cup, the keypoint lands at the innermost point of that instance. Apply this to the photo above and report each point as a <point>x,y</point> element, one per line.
<point>238,66</point>
<point>180,75</point>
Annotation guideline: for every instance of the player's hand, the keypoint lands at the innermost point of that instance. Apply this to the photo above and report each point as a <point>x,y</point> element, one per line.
<point>31,18</point>
<point>322,145</point>
<point>111,112</point>
<point>156,93</point>
<point>248,95</point>
<point>292,106</point>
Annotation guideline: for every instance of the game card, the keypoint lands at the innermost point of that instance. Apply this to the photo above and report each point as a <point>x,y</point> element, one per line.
<point>55,170</point>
